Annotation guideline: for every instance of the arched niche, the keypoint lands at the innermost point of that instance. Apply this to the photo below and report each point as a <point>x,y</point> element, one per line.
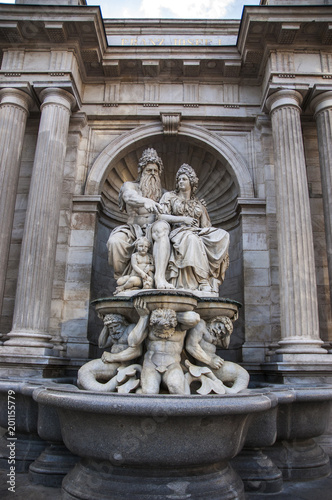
<point>223,178</point>
<point>223,173</point>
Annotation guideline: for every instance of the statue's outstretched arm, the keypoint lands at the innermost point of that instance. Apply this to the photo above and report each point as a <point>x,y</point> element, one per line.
<point>174,219</point>
<point>130,196</point>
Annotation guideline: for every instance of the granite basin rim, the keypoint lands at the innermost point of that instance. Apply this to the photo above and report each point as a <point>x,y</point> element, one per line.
<point>145,405</point>
<point>302,393</point>
<point>153,431</point>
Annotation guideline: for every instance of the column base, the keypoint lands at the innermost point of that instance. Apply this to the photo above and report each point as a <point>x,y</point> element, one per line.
<point>300,346</point>
<point>19,364</point>
<point>29,339</point>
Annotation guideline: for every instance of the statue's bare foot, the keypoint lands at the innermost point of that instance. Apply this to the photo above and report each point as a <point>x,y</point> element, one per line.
<point>163,285</point>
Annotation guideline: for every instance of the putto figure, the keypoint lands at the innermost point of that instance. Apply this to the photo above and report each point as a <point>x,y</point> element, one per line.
<point>142,268</point>
<point>140,200</point>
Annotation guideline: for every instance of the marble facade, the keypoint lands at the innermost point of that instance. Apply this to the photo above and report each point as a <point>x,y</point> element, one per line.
<point>247,104</point>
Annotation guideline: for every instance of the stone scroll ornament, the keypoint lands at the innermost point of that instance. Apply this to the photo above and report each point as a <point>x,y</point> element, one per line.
<point>168,246</point>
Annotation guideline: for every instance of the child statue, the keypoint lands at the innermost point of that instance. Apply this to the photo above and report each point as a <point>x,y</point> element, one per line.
<point>142,268</point>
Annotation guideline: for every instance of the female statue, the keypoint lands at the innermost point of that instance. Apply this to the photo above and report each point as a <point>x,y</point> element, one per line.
<point>199,256</point>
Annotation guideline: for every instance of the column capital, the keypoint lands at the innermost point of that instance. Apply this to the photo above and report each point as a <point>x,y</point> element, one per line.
<point>57,96</point>
<point>16,97</point>
<point>284,97</point>
<point>321,102</point>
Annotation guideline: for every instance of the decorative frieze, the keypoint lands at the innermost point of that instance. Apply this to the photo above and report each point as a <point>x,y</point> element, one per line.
<point>151,92</point>
<point>13,60</point>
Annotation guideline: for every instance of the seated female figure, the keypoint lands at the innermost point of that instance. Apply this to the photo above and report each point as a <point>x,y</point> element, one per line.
<point>199,255</point>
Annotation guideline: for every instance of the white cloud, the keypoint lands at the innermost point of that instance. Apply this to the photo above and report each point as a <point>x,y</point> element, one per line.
<point>196,9</point>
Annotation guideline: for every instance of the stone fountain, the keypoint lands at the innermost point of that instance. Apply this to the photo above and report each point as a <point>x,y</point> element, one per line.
<point>160,414</point>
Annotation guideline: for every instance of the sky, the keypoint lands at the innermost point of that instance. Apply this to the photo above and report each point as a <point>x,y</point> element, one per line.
<point>176,9</point>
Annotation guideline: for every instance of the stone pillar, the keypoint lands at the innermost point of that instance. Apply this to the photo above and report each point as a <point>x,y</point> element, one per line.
<point>14,110</point>
<point>298,294</point>
<point>35,280</point>
<point>322,105</point>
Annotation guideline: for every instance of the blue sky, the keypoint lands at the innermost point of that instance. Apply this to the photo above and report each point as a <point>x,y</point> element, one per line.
<point>182,9</point>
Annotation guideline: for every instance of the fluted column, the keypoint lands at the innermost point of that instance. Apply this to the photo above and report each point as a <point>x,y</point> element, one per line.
<point>35,281</point>
<point>322,105</point>
<point>298,294</point>
<point>14,110</point>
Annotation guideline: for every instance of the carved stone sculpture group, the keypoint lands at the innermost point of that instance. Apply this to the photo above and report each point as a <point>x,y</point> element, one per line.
<point>168,244</point>
<point>188,253</point>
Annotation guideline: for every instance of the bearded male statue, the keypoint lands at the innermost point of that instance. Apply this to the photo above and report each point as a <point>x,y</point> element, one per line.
<point>139,199</point>
<point>202,342</point>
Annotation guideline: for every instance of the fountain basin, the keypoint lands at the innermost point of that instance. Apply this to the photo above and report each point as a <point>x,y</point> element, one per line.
<point>154,440</point>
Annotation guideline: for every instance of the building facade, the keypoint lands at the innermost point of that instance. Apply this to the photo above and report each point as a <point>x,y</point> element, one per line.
<point>247,103</point>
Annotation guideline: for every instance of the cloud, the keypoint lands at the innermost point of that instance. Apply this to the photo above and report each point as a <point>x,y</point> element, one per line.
<point>195,9</point>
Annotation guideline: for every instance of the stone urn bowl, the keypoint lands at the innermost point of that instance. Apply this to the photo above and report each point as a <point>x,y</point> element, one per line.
<point>153,447</point>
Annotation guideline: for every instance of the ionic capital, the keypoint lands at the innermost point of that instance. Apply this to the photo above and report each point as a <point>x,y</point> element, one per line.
<point>322,102</point>
<point>284,98</point>
<point>16,97</point>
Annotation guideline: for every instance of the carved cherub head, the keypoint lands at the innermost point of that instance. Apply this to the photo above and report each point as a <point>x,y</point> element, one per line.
<point>163,322</point>
<point>220,329</point>
<point>142,245</point>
